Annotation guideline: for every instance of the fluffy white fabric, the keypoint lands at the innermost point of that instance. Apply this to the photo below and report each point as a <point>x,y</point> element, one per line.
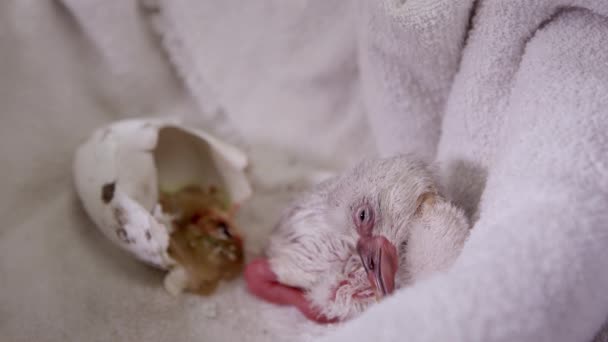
<point>513,104</point>
<point>525,103</point>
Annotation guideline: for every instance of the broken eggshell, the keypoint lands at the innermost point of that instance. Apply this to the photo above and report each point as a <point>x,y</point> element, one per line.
<point>118,172</point>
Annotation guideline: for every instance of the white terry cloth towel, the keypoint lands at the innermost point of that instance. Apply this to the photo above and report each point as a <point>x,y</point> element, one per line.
<point>517,91</point>
<point>284,72</point>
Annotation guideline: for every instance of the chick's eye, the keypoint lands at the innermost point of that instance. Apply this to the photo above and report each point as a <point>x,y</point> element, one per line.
<point>362,215</point>
<point>364,219</point>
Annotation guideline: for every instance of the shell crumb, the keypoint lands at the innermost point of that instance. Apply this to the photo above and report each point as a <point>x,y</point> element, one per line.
<point>176,281</point>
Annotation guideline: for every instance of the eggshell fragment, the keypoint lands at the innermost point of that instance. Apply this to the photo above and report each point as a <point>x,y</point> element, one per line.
<point>176,280</point>
<point>119,169</point>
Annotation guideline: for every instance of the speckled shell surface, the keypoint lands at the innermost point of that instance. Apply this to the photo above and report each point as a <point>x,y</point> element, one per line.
<point>116,176</point>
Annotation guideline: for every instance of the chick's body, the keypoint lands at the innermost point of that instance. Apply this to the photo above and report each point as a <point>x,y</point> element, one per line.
<point>380,226</point>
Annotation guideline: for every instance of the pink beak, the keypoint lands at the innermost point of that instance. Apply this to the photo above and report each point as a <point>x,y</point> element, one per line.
<point>379,258</point>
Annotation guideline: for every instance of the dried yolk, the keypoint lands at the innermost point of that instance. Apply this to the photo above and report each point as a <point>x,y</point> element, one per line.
<point>204,240</point>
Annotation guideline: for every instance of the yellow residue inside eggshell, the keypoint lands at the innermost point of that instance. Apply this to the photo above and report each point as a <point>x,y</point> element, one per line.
<point>204,240</point>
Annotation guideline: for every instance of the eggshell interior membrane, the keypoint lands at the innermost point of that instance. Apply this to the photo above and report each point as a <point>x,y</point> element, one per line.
<point>183,159</point>
<point>263,283</point>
